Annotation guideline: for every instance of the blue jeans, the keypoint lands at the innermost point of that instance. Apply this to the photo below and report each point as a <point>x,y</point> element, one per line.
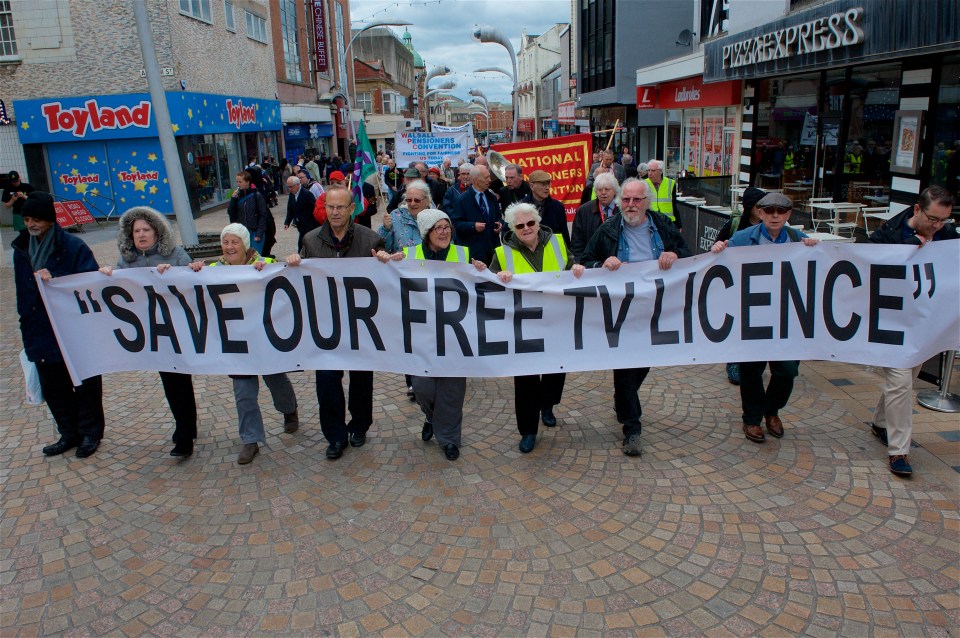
<point>257,245</point>
<point>245,391</point>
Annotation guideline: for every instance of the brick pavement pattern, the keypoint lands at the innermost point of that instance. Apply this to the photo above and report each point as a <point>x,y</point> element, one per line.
<point>705,534</point>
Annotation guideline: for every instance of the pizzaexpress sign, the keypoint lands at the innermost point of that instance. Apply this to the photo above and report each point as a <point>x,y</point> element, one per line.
<point>822,34</point>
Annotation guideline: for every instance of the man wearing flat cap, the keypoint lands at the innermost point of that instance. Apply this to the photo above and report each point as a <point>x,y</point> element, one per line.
<point>763,405</point>
<point>14,195</point>
<point>552,213</point>
<point>47,251</point>
<point>409,175</point>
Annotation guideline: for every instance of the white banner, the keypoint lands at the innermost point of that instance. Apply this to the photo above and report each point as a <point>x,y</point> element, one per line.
<point>431,148</point>
<point>868,304</point>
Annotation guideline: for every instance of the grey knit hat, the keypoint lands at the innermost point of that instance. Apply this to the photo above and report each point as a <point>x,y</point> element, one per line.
<point>428,218</point>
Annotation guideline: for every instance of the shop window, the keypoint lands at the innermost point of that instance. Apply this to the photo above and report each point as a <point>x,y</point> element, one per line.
<point>291,40</point>
<point>874,99</point>
<point>228,16</point>
<point>8,39</point>
<point>199,9</point>
<point>256,27</point>
<point>674,149</point>
<point>786,133</point>
<point>945,167</point>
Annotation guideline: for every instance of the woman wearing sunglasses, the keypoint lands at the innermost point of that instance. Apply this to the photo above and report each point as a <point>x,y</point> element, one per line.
<point>528,248</point>
<point>399,229</point>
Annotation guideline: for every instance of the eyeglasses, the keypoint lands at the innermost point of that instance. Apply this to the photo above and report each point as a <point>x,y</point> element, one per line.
<point>338,208</point>
<point>633,200</point>
<point>441,229</point>
<point>936,220</point>
<point>529,224</point>
<point>413,200</point>
<point>776,210</point>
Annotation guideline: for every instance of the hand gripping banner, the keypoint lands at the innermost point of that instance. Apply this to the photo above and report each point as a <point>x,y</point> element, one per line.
<point>867,304</point>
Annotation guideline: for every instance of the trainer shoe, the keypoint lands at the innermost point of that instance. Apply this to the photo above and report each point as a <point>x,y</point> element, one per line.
<point>631,445</point>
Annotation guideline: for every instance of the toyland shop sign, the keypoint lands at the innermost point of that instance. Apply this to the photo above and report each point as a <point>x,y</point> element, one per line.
<point>92,117</point>
<point>238,114</point>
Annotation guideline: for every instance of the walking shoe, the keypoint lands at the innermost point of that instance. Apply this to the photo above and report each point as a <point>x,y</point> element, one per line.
<point>547,417</point>
<point>451,451</point>
<point>900,466</point>
<point>631,445</point>
<point>61,446</point>
<point>87,447</point>
<point>335,450</point>
<point>879,432</point>
<point>291,422</point>
<point>357,439</point>
<point>754,433</point>
<point>774,425</point>
<point>427,432</point>
<point>182,449</point>
<point>527,443</point>
<point>411,394</point>
<point>247,452</point>
<point>733,373</point>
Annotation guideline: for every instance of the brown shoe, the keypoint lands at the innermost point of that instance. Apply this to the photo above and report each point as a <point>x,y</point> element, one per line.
<point>247,452</point>
<point>774,425</point>
<point>291,422</point>
<point>753,432</point>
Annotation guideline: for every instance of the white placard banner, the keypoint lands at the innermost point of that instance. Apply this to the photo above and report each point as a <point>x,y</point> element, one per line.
<point>867,304</point>
<point>431,148</point>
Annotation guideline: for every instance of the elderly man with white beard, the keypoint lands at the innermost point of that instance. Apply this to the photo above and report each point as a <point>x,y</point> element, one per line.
<point>637,234</point>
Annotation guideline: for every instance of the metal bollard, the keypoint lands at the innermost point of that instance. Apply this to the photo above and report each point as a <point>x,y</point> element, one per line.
<point>942,400</point>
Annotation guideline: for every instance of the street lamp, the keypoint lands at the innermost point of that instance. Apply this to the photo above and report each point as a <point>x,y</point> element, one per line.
<point>435,72</point>
<point>348,59</point>
<point>487,34</point>
<point>481,109</point>
<point>495,69</point>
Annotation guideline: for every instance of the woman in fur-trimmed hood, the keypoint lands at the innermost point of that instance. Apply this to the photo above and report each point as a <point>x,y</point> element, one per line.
<point>135,245</point>
<point>145,240</point>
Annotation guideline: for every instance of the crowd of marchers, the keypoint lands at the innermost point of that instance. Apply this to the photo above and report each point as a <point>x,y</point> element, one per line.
<point>512,227</point>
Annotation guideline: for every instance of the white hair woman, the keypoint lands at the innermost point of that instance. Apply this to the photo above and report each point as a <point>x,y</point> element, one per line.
<point>530,248</point>
<point>145,240</point>
<point>591,215</point>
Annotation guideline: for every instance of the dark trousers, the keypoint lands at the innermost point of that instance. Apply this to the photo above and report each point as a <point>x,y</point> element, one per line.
<point>532,393</point>
<point>757,402</point>
<point>77,410</point>
<point>626,398</point>
<point>178,388</point>
<point>333,409</point>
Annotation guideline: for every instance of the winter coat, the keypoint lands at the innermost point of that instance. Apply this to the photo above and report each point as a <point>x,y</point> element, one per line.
<point>606,241</point>
<point>751,236</point>
<point>358,242</point>
<point>892,231</point>
<point>535,257</point>
<point>165,251</point>
<point>585,224</point>
<point>250,209</point>
<point>403,233</point>
<point>552,215</point>
<point>70,256</point>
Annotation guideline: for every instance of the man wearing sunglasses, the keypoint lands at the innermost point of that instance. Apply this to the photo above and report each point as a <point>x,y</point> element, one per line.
<point>636,234</point>
<point>928,220</point>
<point>759,404</point>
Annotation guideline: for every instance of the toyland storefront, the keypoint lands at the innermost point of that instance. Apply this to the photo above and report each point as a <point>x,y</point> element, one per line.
<point>104,149</point>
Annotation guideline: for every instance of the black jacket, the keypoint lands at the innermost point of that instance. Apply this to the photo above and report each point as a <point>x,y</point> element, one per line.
<point>301,211</point>
<point>585,224</point>
<point>510,196</point>
<point>466,213</point>
<point>606,241</point>
<point>892,231</point>
<point>250,209</point>
<point>552,215</point>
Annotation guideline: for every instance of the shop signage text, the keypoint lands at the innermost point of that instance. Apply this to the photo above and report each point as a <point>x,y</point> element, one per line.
<point>319,35</point>
<point>73,180</point>
<point>238,114</point>
<point>688,93</point>
<point>822,34</point>
<point>92,116</point>
<point>138,176</point>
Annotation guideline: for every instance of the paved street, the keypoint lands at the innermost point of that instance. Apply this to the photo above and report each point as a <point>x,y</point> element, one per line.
<point>705,534</point>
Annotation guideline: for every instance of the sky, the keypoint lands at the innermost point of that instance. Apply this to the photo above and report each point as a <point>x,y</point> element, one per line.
<point>442,34</point>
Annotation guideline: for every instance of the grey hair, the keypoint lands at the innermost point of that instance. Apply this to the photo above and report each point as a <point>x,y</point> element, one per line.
<point>608,180</point>
<point>515,167</point>
<point>634,180</point>
<point>654,164</point>
<point>510,215</point>
<point>476,170</point>
<point>466,165</point>
<point>420,185</point>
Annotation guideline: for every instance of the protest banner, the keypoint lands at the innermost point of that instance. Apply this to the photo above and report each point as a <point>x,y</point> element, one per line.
<point>567,159</point>
<point>868,304</point>
<point>431,148</point>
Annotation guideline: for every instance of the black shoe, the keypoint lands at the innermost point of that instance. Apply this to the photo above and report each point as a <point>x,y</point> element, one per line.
<point>427,432</point>
<point>879,432</point>
<point>59,447</point>
<point>335,450</point>
<point>546,415</point>
<point>87,447</point>
<point>527,443</point>
<point>411,394</point>
<point>357,439</point>
<point>182,450</point>
<point>451,451</point>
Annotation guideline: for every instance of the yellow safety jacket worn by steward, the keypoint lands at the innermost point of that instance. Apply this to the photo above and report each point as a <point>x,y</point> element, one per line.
<point>457,254</point>
<point>855,163</point>
<point>554,257</point>
<point>662,198</point>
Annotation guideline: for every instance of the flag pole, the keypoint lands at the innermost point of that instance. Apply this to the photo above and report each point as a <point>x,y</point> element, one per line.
<point>616,125</point>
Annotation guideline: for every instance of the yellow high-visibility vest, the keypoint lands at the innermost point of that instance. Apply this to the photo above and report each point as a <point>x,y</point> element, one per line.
<point>662,200</point>
<point>554,258</point>
<point>854,163</point>
<point>458,254</point>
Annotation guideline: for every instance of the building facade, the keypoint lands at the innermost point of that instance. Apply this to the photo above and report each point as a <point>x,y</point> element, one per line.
<point>82,116</point>
<point>539,80</point>
<point>386,80</point>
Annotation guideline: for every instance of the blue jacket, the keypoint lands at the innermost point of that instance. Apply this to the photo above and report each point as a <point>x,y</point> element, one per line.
<point>466,213</point>
<point>70,256</point>
<point>751,236</point>
<point>403,233</point>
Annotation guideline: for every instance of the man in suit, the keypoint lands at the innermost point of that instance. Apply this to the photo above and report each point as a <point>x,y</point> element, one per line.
<point>463,183</point>
<point>300,205</point>
<point>476,217</point>
<point>609,165</point>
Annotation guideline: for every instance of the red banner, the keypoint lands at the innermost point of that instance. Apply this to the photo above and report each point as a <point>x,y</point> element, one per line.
<point>320,35</point>
<point>72,213</point>
<point>567,159</point>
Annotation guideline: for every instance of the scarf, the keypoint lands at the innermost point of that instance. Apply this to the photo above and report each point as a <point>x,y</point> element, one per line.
<point>40,250</point>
